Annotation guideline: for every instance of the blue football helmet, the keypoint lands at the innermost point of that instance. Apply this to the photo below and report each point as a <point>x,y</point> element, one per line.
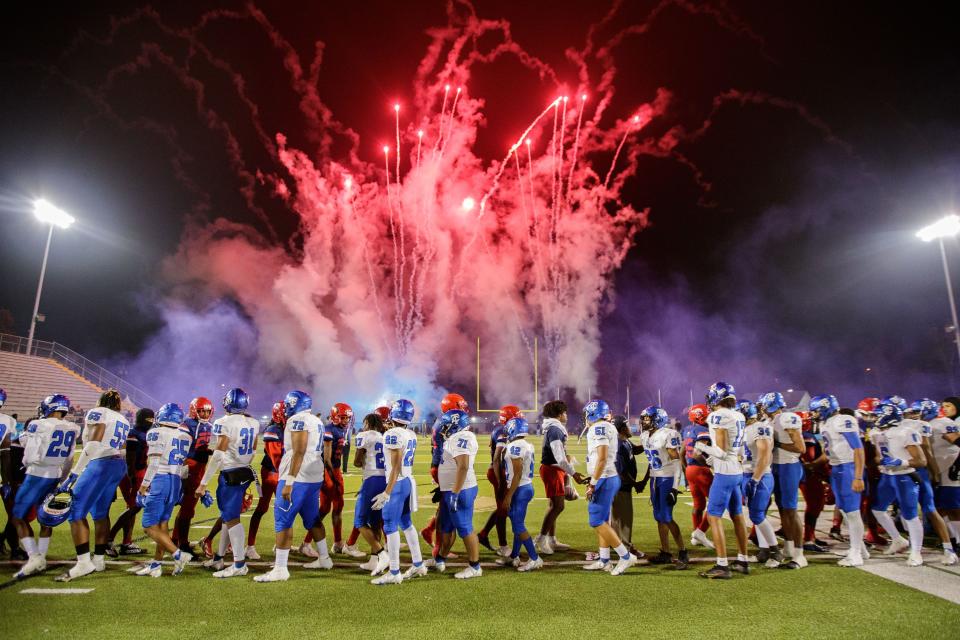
<point>897,400</point>
<point>295,402</point>
<point>453,421</point>
<point>772,402</point>
<point>927,408</point>
<point>824,406</point>
<point>596,410</point>
<point>888,413</point>
<point>517,428</point>
<point>51,404</point>
<point>170,415</point>
<point>3,397</point>
<point>658,417</point>
<point>55,508</point>
<point>720,391</point>
<point>747,408</point>
<point>401,412</point>
<point>236,401</point>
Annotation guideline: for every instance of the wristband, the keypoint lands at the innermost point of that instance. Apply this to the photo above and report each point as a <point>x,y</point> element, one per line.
<point>289,480</point>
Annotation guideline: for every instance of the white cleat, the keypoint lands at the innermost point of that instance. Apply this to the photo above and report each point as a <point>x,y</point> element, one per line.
<point>543,546</point>
<point>915,559</point>
<point>232,571</point>
<point>251,553</point>
<point>556,545</point>
<point>388,578</point>
<point>949,558</point>
<point>352,551</point>
<point>77,571</point>
<point>864,552</point>
<point>509,562</point>
<point>504,552</point>
<point>902,544</point>
<point>468,573</point>
<point>308,550</point>
<point>801,560</point>
<point>851,561</point>
<point>99,564</point>
<point>623,564</point>
<point>152,571</point>
<point>276,574</point>
<point>35,564</point>
<point>597,565</point>
<point>699,538</point>
<point>531,565</point>
<point>370,564</point>
<point>440,567</point>
<point>180,565</point>
<point>415,572</point>
<point>320,563</point>
<point>216,565</point>
<point>383,561</point>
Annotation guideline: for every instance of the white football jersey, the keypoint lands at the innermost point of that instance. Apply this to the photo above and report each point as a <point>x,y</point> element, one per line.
<point>48,447</point>
<point>461,443</point>
<point>893,442</point>
<point>733,422</point>
<point>753,433</point>
<point>115,430</point>
<point>373,463</point>
<point>522,450</point>
<point>944,452</point>
<point>311,467</point>
<point>782,424</point>
<point>922,427</point>
<point>406,441</point>
<point>171,444</point>
<point>599,434</point>
<point>8,426</point>
<point>242,432</point>
<point>657,445</point>
<point>835,444</point>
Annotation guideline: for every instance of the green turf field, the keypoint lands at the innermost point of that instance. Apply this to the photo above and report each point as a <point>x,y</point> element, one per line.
<point>821,601</point>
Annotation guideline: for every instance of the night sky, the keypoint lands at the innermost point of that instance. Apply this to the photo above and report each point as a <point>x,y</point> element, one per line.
<point>786,258</point>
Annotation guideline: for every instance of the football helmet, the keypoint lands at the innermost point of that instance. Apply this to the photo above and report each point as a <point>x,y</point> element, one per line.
<point>236,401</point>
<point>698,414</point>
<point>200,409</point>
<point>747,408</point>
<point>509,412</point>
<point>453,421</point>
<point>341,414</point>
<point>517,427</point>
<point>927,408</point>
<point>3,397</point>
<point>383,412</point>
<point>170,415</point>
<point>720,391</point>
<point>277,415</point>
<point>657,416</point>
<point>771,402</point>
<point>888,413</point>
<point>454,401</point>
<point>866,409</point>
<point>295,402</point>
<point>824,406</point>
<point>54,403</point>
<point>402,411</point>
<point>596,410</point>
<point>55,508</point>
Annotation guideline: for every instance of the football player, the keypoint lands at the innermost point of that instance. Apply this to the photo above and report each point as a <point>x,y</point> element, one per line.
<point>398,498</point>
<point>369,457</point>
<point>8,430</point>
<point>200,429</point>
<point>162,485</point>
<point>698,472</point>
<point>662,444</point>
<point>94,481</point>
<point>48,447</point>
<point>787,473</point>
<point>335,435</point>
<point>458,486</point>
<point>813,486</point>
<point>866,418</point>
<point>899,452</point>
<point>298,493</point>
<point>495,475</point>
<point>443,541</point>
<point>945,442</point>
<point>604,482</point>
<point>842,445</point>
<point>519,455</point>
<point>234,445</point>
<point>758,481</point>
<point>272,453</point>
<point>555,466</point>
<point>130,484</point>
<point>726,427</point>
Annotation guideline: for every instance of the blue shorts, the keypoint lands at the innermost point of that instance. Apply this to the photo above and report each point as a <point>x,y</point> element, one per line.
<point>841,481</point>
<point>364,515</point>
<point>230,499</point>
<point>947,497</point>
<point>96,488</point>
<point>518,508</point>
<point>900,489</point>
<point>396,513</point>
<point>786,484</point>
<point>659,492</point>
<point>304,501</point>
<point>757,505</point>
<point>460,520</point>
<point>725,495</point>
<point>598,509</point>
<point>926,491</point>
<point>32,493</point>
<point>164,495</point>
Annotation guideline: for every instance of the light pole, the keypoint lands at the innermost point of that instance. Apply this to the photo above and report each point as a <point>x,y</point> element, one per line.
<point>945,228</point>
<point>51,215</point>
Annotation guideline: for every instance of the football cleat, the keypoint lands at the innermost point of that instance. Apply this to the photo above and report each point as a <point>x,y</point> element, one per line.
<point>320,563</point>
<point>700,538</point>
<point>598,565</point>
<point>792,564</point>
<point>836,534</point>
<point>180,563</point>
<point>415,572</point>
<point>383,561</point>
<point>801,560</point>
<point>308,550</point>
<point>664,557</point>
<point>949,558</point>
<point>531,565</point>
<point>851,561</point>
<point>468,573</point>
<point>214,564</point>
<point>915,559</point>
<point>352,551</point>
<point>251,553</point>
<point>232,571</point>
<point>99,564</point>
<point>504,551</point>
<point>509,562</point>
<point>623,564</point>
<point>740,566</point>
<point>897,546</point>
<point>112,551</point>
<point>131,549</point>
<point>77,571</point>
<point>35,564</point>
<point>716,572</point>
<point>556,545</point>
<point>814,547</point>
<point>440,567</point>
<point>154,570</point>
<point>683,560</point>
<point>277,574</point>
<point>543,545</point>
<point>388,578</point>
<point>776,557</point>
<point>370,564</point>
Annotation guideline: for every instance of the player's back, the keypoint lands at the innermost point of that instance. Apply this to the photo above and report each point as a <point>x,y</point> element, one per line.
<point>783,423</point>
<point>733,423</point>
<point>893,442</point>
<point>752,434</point>
<point>241,430</point>
<point>462,443</point>
<point>336,437</point>
<point>311,468</point>
<point>49,446</point>
<point>944,452</point>
<point>838,433</point>
<point>920,427</point>
<point>498,438</point>
<point>525,452</point>
<point>657,446</point>
<point>172,446</point>
<point>371,441</point>
<point>115,431</point>
<point>403,439</point>
<point>600,434</point>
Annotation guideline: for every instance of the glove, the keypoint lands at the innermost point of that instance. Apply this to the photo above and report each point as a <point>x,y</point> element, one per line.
<point>887,461</point>
<point>206,499</point>
<point>68,483</point>
<point>5,491</point>
<point>672,497</point>
<point>451,499</point>
<point>751,488</point>
<point>437,495</point>
<point>701,446</point>
<point>381,500</point>
<point>141,500</point>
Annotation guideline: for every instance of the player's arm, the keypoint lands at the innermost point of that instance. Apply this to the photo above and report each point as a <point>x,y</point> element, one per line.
<point>463,465</point>
<point>859,461</point>
<point>133,449</point>
<point>91,448</point>
<point>298,445</point>
<point>214,464</point>
<point>516,464</point>
<point>360,457</point>
<point>764,457</point>
<point>273,448</point>
<point>932,467</point>
<point>498,452</point>
<point>917,459</point>
<point>796,442</point>
<point>717,450</point>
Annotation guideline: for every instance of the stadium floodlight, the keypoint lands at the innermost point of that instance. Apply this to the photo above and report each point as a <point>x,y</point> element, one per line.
<point>55,217</point>
<point>946,227</point>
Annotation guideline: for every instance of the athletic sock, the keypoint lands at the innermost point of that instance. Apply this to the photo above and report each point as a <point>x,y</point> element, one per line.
<point>475,565</point>
<point>236,541</point>
<point>83,558</point>
<point>393,550</point>
<point>766,534</point>
<point>721,562</point>
<point>948,546</point>
<point>29,545</point>
<point>322,548</point>
<point>531,549</point>
<point>886,523</point>
<point>281,561</point>
<point>515,552</point>
<point>622,551</point>
<point>83,549</point>
<point>741,557</point>
<point>855,528</point>
<point>604,554</point>
<point>354,536</point>
<point>222,544</point>
<point>953,526</point>
<point>44,544</point>
<point>915,529</point>
<point>788,548</point>
<point>413,542</point>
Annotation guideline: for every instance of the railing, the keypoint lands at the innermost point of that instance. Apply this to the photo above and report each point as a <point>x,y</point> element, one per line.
<point>80,365</point>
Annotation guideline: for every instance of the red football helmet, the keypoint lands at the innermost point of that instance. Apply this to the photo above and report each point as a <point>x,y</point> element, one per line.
<point>508,412</point>
<point>279,416</point>
<point>806,419</point>
<point>341,415</point>
<point>201,408</point>
<point>698,414</point>
<point>866,407</point>
<point>453,401</point>
<point>383,412</point>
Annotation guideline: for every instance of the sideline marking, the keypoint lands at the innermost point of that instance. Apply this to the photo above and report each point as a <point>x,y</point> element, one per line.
<point>55,592</point>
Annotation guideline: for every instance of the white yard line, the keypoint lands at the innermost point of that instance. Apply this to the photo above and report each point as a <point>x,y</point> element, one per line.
<point>54,592</point>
